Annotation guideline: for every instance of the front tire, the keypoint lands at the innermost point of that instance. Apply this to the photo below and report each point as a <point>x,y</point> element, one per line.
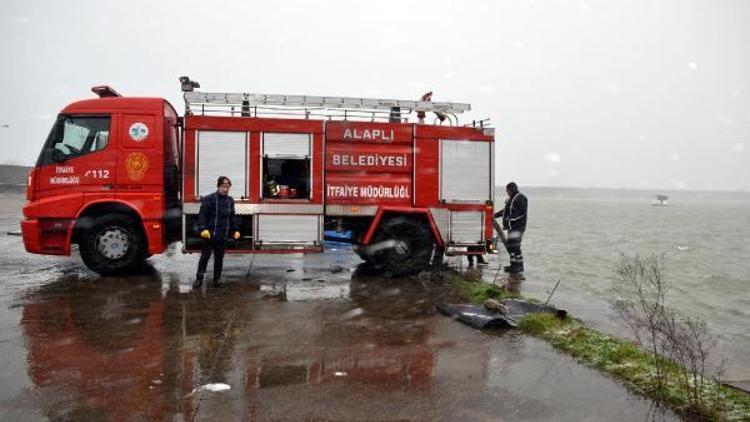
<point>113,244</point>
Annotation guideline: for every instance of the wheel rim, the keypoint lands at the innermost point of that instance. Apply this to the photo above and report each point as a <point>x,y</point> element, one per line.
<point>112,243</point>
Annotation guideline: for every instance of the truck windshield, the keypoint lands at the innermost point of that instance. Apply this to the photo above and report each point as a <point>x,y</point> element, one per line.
<point>72,136</point>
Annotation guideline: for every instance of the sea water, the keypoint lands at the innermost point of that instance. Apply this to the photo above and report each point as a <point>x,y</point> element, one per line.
<point>578,236</point>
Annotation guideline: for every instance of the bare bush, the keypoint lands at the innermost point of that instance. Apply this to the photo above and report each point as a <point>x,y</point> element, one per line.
<point>692,343</point>
<point>640,301</point>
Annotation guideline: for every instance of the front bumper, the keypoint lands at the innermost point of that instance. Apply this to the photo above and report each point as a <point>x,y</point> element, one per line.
<point>49,236</point>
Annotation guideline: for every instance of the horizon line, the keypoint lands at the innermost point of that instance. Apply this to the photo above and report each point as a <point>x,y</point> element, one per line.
<point>502,186</point>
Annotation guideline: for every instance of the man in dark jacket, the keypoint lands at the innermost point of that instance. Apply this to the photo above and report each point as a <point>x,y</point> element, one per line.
<point>514,220</point>
<point>216,224</point>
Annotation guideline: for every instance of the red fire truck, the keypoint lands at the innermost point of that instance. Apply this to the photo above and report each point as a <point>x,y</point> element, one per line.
<point>122,177</point>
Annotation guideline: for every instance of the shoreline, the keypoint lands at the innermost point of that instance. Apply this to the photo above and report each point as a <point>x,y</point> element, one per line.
<point>624,360</point>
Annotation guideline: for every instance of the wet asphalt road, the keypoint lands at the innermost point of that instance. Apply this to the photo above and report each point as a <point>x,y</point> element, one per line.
<point>293,337</point>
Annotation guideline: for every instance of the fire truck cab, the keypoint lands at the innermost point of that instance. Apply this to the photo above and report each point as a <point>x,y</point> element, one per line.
<point>123,177</point>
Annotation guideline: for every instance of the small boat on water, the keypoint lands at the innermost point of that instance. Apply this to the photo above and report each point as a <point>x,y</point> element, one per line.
<point>660,200</point>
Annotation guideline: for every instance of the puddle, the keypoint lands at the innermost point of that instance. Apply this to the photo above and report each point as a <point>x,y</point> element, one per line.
<point>78,346</point>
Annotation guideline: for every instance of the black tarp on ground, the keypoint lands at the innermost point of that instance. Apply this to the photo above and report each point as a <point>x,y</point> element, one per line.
<point>481,317</point>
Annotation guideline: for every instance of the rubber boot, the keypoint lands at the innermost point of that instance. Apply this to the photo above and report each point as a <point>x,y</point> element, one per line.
<point>197,284</point>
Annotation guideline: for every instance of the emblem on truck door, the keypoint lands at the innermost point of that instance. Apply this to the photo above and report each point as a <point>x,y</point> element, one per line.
<point>136,164</point>
<point>138,132</point>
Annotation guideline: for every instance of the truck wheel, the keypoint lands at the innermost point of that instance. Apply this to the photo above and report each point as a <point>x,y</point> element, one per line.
<point>406,246</point>
<point>112,245</point>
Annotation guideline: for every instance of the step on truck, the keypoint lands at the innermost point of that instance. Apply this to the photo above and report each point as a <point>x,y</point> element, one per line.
<point>122,177</point>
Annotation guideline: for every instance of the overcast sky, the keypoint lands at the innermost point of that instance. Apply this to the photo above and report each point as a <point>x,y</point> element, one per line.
<point>618,94</point>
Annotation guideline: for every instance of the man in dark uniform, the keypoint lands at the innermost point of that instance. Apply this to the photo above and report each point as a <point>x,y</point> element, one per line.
<point>215,223</point>
<point>514,220</point>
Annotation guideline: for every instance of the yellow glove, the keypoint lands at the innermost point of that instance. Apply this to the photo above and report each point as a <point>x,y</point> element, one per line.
<point>236,235</point>
<point>206,234</point>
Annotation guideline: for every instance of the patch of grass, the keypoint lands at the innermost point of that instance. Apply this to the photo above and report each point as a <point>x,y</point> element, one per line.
<point>477,291</point>
<point>623,360</point>
<point>538,324</point>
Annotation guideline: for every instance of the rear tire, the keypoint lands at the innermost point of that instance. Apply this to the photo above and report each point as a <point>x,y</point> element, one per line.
<point>408,246</point>
<point>114,244</point>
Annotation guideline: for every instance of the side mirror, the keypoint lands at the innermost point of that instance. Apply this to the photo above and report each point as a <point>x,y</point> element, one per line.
<point>58,156</point>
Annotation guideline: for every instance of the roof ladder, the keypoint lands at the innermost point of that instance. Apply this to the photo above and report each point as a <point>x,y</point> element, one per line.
<point>199,102</point>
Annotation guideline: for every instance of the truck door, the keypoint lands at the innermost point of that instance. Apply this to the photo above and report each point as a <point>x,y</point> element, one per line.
<point>214,153</point>
<point>141,162</point>
<point>465,186</point>
<point>290,215</point>
<point>77,158</point>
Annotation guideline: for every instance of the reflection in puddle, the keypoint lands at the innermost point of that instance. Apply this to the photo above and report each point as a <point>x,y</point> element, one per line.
<point>342,349</point>
<point>306,290</point>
